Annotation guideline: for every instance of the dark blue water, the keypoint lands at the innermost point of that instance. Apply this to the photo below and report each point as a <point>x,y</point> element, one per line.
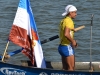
<point>47,14</point>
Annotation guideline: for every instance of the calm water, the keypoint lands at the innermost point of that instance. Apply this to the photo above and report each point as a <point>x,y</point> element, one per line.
<point>47,15</point>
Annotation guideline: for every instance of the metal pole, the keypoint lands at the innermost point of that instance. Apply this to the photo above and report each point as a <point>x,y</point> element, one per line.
<point>91,67</point>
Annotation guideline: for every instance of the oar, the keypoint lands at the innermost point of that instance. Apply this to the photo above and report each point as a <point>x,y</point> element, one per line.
<point>49,39</point>
<point>42,42</point>
<point>79,28</point>
<point>56,36</point>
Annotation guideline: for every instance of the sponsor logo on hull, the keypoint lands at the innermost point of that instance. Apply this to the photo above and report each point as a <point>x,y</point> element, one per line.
<point>12,71</point>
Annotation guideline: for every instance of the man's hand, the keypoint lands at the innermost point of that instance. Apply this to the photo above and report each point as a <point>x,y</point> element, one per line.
<point>74,44</point>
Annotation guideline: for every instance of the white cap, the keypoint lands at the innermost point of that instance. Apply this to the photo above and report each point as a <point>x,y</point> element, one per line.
<point>69,8</point>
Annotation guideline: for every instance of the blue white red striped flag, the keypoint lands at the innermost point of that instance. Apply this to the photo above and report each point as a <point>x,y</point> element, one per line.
<point>24,33</point>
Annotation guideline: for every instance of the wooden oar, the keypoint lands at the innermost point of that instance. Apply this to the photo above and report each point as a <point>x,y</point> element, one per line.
<point>79,28</point>
<point>56,36</point>
<point>44,41</point>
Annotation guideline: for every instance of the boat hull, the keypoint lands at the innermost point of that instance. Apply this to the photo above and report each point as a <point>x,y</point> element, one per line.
<point>10,69</point>
<point>79,66</point>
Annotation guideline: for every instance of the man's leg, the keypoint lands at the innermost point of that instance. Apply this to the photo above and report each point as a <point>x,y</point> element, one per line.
<point>64,63</point>
<point>70,62</point>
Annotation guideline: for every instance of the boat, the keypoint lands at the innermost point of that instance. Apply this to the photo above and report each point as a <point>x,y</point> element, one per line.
<point>25,67</point>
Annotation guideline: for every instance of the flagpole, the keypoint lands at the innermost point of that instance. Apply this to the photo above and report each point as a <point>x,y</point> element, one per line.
<point>5,51</point>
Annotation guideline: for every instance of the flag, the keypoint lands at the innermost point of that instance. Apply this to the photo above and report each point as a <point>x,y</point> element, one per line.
<point>24,33</point>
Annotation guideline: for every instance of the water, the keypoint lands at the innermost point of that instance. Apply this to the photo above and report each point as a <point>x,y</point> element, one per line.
<point>47,14</point>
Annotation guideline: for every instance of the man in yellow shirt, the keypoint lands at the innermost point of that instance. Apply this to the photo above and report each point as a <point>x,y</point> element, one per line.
<point>67,42</point>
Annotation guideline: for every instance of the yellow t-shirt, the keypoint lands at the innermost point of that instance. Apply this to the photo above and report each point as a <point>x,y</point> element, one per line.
<point>66,22</point>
